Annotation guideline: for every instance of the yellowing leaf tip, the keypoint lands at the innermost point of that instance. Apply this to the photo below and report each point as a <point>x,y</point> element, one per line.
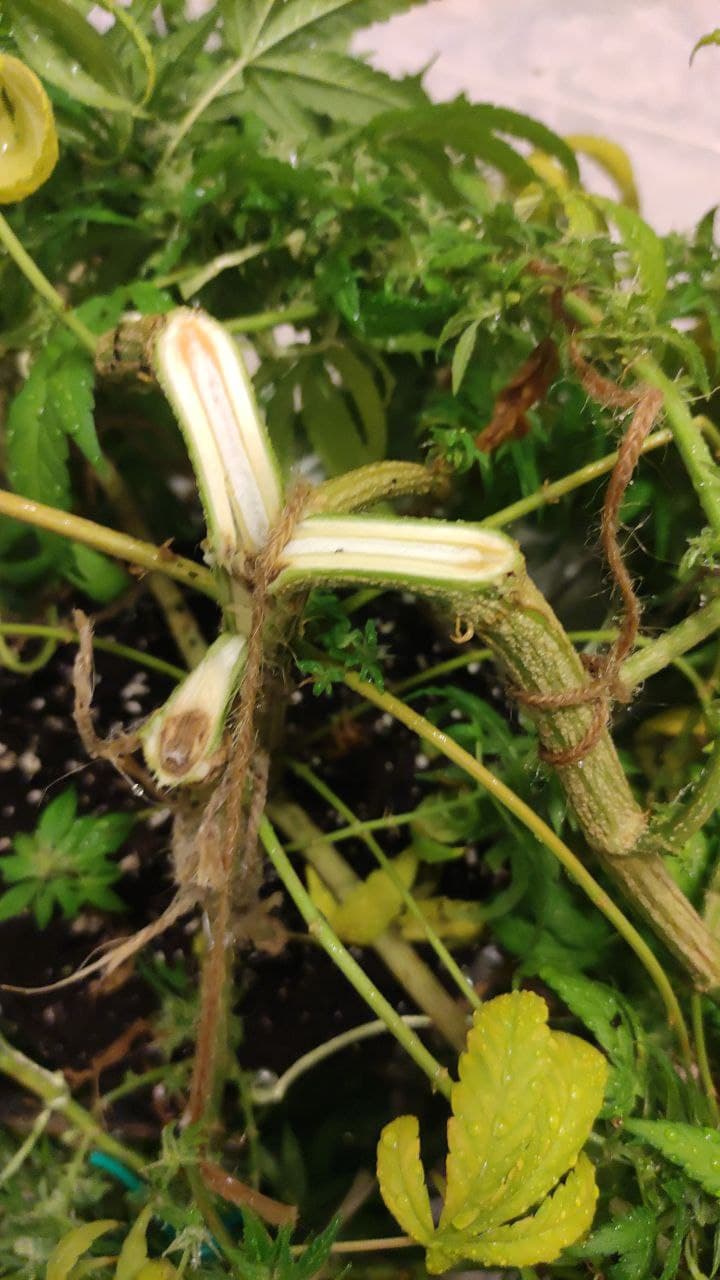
<point>28,138</point>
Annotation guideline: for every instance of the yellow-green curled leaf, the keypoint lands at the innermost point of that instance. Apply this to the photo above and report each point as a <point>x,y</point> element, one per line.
<point>73,1246</point>
<point>523,1107</point>
<point>373,905</point>
<point>613,159</point>
<point>28,139</point>
<point>402,1178</point>
<point>133,1254</point>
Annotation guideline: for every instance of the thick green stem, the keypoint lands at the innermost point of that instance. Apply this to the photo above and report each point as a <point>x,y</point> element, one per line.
<point>43,286</point>
<point>51,1087</point>
<point>515,805</point>
<point>119,545</point>
<point>369,485</point>
<point>320,929</point>
<point>400,958</point>
<point>537,658</point>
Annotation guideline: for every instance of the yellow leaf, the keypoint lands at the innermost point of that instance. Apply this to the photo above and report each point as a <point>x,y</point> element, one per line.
<point>562,1219</point>
<point>402,1178</point>
<point>134,1250</point>
<point>613,159</point>
<point>522,1109</point>
<point>370,906</point>
<point>28,139</point>
<point>159,1270</point>
<point>453,920</point>
<point>368,910</point>
<point>320,895</point>
<point>73,1246</point>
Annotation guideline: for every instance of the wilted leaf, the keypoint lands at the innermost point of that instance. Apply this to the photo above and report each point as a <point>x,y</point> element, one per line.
<point>402,1179</point>
<point>30,145</point>
<point>526,387</point>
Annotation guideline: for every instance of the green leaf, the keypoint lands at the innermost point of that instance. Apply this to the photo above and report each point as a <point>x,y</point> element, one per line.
<point>474,129</point>
<point>99,577</point>
<point>14,901</point>
<point>73,1245</point>
<point>37,451</point>
<point>608,1017</point>
<point>521,1111</point>
<point>358,381</point>
<point>72,401</point>
<point>462,354</point>
<point>329,425</point>
<point>695,1149</point>
<point>630,1237</point>
<point>643,246</point>
<point>316,1252</point>
<point>57,817</point>
<point>63,48</point>
<point>332,84</point>
<point>311,19</point>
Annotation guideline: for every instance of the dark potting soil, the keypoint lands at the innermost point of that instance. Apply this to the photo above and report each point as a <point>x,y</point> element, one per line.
<point>290,1002</point>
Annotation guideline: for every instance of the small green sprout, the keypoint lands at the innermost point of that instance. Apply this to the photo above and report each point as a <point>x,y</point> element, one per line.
<point>65,863</point>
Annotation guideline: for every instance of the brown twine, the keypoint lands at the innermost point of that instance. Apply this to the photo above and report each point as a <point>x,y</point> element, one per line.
<point>218,846</point>
<point>606,685</point>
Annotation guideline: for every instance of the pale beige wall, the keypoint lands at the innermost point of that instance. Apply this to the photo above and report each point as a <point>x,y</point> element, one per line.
<point>618,67</point>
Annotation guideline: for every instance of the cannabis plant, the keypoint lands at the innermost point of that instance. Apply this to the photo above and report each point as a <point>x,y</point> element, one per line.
<point>359,551</point>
